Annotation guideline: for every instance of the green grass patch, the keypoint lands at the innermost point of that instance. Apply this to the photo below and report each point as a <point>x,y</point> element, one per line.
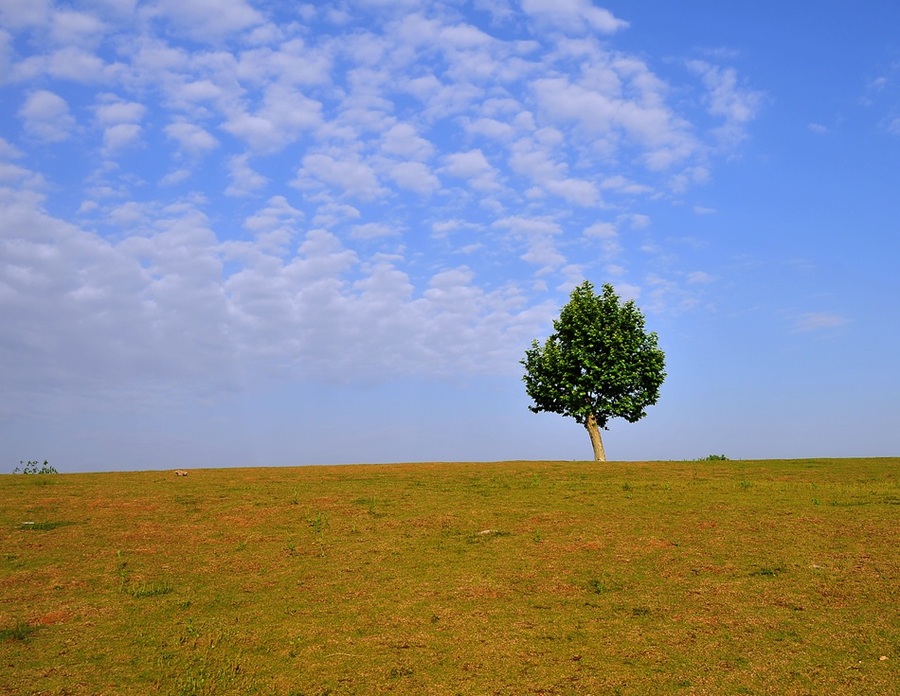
<point>483,578</point>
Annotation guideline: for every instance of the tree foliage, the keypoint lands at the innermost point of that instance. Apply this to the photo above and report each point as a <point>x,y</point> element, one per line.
<point>599,363</point>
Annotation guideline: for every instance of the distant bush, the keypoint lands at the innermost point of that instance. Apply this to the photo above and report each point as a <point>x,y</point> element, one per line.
<point>32,468</point>
<point>715,458</point>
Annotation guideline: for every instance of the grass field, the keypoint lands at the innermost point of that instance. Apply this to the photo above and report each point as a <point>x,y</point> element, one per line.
<point>735,577</point>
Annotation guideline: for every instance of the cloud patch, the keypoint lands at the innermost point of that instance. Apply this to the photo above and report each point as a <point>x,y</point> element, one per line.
<point>818,321</point>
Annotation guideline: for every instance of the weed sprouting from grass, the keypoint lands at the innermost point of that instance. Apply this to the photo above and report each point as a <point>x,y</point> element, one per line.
<point>295,499</point>
<point>148,589</point>
<point>626,487</point>
<point>597,586</point>
<point>318,523</point>
<point>207,662</point>
<point>370,504</point>
<point>768,571</point>
<point>19,631</point>
<point>745,485</point>
<point>537,536</point>
<point>602,584</point>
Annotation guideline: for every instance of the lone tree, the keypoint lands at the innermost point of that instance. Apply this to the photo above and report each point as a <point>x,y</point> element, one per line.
<point>598,364</point>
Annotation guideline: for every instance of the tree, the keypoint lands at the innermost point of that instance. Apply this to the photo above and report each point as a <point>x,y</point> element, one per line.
<point>598,364</point>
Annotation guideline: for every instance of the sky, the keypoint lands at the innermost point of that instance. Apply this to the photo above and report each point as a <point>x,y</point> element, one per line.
<point>246,233</point>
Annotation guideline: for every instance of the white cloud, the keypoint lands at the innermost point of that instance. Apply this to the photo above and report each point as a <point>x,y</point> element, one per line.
<point>577,191</point>
<point>17,14</point>
<point>573,16</point>
<point>608,237</point>
<point>612,121</point>
<point>352,176</point>
<point>275,225</point>
<point>625,186</point>
<point>9,151</point>
<point>538,237</point>
<point>638,221</point>
<point>71,28</point>
<point>491,128</point>
<point>46,116</point>
<point>403,141</point>
<point>472,166</point>
<point>112,111</point>
<point>244,179</point>
<point>414,176</point>
<point>69,63</point>
<point>208,20</point>
<point>191,138</point>
<point>818,321</point>
<point>467,165</point>
<point>699,278</point>
<point>175,177</point>
<point>601,230</point>
<point>120,136</point>
<point>737,105</point>
<point>290,61</point>
<point>373,230</point>
<point>331,214</point>
<point>285,114</point>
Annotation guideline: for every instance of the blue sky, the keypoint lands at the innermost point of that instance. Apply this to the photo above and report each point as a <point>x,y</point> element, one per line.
<point>245,233</point>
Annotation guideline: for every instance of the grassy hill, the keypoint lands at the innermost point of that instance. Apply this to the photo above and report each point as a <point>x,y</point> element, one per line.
<point>735,577</point>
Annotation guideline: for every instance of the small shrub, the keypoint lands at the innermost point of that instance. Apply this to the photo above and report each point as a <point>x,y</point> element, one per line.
<point>715,458</point>
<point>20,631</point>
<point>32,467</point>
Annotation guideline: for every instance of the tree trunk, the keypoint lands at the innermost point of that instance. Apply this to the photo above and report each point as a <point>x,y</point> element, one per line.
<point>596,441</point>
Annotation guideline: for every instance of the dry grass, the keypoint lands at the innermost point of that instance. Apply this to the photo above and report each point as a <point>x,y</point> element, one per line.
<point>511,578</point>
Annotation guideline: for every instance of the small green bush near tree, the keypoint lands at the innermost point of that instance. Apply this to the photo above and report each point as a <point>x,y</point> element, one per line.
<point>32,467</point>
